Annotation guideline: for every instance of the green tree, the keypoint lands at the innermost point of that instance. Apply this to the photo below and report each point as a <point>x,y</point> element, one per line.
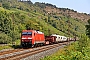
<point>6,5</point>
<point>88,28</point>
<point>5,38</point>
<point>83,42</point>
<point>28,25</point>
<point>0,4</point>
<point>5,22</point>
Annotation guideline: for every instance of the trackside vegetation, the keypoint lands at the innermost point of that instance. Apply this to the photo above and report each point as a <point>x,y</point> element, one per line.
<point>79,50</point>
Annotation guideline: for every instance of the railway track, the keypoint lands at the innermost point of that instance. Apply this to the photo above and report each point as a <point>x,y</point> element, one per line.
<point>20,54</point>
<point>5,44</point>
<point>10,51</point>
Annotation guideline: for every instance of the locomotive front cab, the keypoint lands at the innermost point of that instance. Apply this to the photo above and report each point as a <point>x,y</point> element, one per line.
<point>26,38</point>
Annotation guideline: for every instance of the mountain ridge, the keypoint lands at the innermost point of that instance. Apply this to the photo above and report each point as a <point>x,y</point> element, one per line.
<point>65,11</point>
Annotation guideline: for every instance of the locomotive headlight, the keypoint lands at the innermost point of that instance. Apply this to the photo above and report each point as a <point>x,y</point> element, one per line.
<point>22,40</point>
<point>30,40</point>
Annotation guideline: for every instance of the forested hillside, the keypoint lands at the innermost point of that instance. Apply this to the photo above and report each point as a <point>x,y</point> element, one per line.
<point>16,16</point>
<point>79,50</point>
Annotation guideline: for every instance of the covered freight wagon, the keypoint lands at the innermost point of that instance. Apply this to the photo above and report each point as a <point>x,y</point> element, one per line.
<point>60,38</point>
<point>50,39</point>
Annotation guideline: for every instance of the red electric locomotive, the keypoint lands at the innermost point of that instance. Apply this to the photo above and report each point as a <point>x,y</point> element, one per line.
<point>32,38</point>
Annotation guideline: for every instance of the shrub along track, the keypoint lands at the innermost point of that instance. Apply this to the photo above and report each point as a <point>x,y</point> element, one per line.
<point>23,53</point>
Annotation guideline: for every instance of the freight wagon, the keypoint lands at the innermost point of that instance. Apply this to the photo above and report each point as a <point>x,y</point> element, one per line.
<point>50,39</point>
<point>59,38</point>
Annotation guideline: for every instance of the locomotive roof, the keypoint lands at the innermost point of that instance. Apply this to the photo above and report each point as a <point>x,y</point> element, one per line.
<point>33,30</point>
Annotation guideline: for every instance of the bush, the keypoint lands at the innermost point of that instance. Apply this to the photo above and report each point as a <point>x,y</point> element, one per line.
<point>6,5</point>
<point>5,38</point>
<point>83,42</point>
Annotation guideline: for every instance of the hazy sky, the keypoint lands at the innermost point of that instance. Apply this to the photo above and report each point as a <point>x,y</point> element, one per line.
<point>77,5</point>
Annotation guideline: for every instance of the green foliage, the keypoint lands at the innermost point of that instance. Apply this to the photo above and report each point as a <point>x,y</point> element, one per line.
<point>5,24</point>
<point>17,42</point>
<point>5,38</point>
<point>88,28</point>
<point>6,5</point>
<point>5,27</point>
<point>83,42</point>
<point>79,50</point>
<point>5,47</point>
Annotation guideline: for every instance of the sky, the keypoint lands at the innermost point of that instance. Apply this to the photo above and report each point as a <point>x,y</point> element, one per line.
<point>82,6</point>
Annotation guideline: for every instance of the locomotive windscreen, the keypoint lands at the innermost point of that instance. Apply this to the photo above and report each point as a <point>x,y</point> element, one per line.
<point>26,33</point>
